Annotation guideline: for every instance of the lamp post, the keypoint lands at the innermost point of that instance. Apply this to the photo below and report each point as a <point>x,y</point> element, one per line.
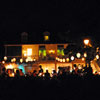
<point>86,42</point>
<point>89,51</point>
<point>86,46</point>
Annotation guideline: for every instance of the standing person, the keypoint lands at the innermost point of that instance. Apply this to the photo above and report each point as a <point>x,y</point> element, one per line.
<point>17,75</point>
<point>54,74</point>
<point>34,73</point>
<point>40,71</point>
<point>47,75</point>
<point>21,72</point>
<point>4,74</point>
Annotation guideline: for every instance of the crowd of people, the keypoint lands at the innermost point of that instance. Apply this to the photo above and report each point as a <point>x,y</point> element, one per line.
<point>81,72</point>
<point>62,85</point>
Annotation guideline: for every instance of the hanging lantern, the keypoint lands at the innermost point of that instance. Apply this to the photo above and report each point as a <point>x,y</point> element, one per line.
<point>83,59</point>
<point>97,56</point>
<point>67,59</point>
<point>3,62</point>
<point>14,59</point>
<point>72,58</point>
<point>85,55</point>
<point>21,60</point>
<point>5,58</point>
<point>78,55</point>
<point>63,60</point>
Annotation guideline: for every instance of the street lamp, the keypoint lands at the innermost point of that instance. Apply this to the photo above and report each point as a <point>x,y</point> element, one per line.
<point>86,42</point>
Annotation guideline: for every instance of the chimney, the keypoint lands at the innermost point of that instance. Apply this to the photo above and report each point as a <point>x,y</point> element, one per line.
<point>24,37</point>
<point>46,36</point>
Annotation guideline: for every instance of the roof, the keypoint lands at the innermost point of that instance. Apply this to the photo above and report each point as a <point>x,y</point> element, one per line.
<point>38,39</point>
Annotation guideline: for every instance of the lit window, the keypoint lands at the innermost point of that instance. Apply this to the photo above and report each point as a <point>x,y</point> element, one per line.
<point>46,38</point>
<point>51,51</point>
<point>60,52</point>
<point>29,52</point>
<point>42,52</point>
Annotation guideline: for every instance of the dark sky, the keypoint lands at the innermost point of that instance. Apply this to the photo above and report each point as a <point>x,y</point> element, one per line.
<point>81,17</point>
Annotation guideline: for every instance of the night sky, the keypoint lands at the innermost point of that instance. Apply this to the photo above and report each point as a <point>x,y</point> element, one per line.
<point>81,17</point>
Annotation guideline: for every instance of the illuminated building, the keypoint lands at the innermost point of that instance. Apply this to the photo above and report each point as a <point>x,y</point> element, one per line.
<point>46,53</point>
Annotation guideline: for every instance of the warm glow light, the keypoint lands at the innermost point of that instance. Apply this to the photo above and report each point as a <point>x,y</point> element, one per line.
<point>97,56</point>
<point>14,59</point>
<point>51,51</point>
<point>86,41</point>
<point>11,75</point>
<point>25,54</point>
<point>46,68</point>
<point>46,38</point>
<point>97,49</point>
<point>85,55</point>
<point>34,59</point>
<point>67,59</point>
<point>5,58</point>
<point>78,55</point>
<point>9,67</point>
<point>63,60</point>
<point>83,59</point>
<point>3,62</point>
<point>58,59</point>
<point>29,52</point>
<point>72,58</point>
<point>26,60</point>
<point>21,60</point>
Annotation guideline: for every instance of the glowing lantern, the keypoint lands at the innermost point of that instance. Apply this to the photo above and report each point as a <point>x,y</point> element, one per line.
<point>67,59</point>
<point>72,58</point>
<point>85,55</point>
<point>26,60</point>
<point>63,60</point>
<point>25,54</point>
<point>21,60</point>
<point>83,59</point>
<point>78,55</point>
<point>34,59</point>
<point>97,56</point>
<point>14,59</point>
<point>5,58</point>
<point>58,59</point>
<point>3,62</point>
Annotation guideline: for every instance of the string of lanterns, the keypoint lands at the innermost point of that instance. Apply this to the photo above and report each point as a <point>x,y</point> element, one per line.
<point>78,56</point>
<point>13,60</point>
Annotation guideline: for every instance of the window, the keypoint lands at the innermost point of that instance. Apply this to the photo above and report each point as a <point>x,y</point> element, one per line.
<point>29,52</point>
<point>60,50</point>
<point>14,51</point>
<point>42,51</point>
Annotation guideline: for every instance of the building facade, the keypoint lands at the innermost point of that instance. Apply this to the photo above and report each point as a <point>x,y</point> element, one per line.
<point>50,55</point>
